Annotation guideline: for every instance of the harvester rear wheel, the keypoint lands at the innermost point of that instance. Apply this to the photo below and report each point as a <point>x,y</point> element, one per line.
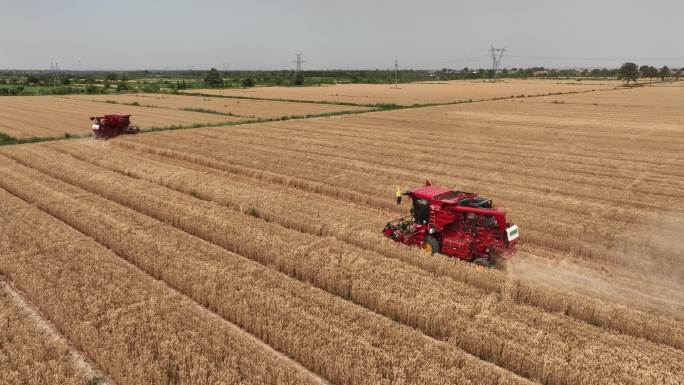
<point>431,245</point>
<point>484,262</point>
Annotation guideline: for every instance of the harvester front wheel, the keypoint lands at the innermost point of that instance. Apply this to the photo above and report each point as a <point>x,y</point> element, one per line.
<point>498,262</point>
<point>431,245</point>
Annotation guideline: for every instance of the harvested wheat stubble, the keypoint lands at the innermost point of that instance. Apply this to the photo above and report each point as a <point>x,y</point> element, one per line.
<point>438,307</point>
<point>358,226</point>
<point>48,116</point>
<point>244,108</point>
<point>28,353</point>
<point>135,328</point>
<point>646,100</point>
<point>309,324</point>
<point>412,93</point>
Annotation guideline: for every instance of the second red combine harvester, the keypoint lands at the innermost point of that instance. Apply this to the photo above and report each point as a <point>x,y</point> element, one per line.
<point>459,224</point>
<point>109,126</point>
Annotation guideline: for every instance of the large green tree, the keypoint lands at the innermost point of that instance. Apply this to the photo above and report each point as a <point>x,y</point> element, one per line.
<point>649,72</point>
<point>664,73</point>
<point>213,78</point>
<point>628,72</point>
<point>299,79</point>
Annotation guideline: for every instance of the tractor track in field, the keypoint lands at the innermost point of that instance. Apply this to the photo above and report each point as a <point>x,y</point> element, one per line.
<point>666,297</point>
<point>78,359</point>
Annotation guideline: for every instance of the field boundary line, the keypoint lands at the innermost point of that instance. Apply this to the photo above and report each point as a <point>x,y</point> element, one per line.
<point>263,345</point>
<point>78,359</point>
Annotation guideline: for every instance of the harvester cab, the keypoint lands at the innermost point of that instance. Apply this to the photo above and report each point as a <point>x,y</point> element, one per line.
<point>110,126</point>
<point>458,224</point>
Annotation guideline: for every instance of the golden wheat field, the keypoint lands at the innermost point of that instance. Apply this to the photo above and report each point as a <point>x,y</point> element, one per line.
<point>253,254</point>
<point>242,108</point>
<point>49,116</point>
<point>417,93</point>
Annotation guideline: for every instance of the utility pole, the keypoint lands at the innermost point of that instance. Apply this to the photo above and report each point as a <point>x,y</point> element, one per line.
<point>396,73</point>
<point>497,54</point>
<point>299,61</point>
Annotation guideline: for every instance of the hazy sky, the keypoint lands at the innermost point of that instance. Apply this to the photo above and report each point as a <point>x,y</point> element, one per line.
<point>241,34</point>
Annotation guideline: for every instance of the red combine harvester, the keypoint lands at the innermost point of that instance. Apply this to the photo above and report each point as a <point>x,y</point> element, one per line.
<point>459,224</point>
<point>109,126</point>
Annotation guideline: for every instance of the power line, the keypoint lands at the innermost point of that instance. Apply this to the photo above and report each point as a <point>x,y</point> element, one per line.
<point>461,60</point>
<point>597,58</point>
<point>299,61</point>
